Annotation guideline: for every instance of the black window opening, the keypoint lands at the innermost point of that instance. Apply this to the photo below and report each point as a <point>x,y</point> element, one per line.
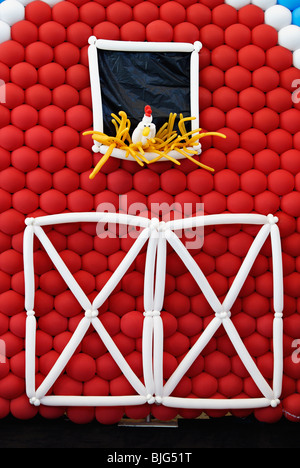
<point>131,80</point>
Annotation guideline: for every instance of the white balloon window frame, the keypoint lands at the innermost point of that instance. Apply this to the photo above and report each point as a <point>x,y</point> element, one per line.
<point>157,234</point>
<point>132,46</point>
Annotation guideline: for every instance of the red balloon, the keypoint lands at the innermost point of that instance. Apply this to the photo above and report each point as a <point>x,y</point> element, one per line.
<point>278,57</point>
<point>78,33</point>
<point>91,13</point>
<point>14,96</point>
<point>65,13</point>
<point>13,344</point>
<point>211,36</point>
<point>24,75</point>
<point>290,203</point>
<point>107,368</point>
<point>159,31</point>
<point>65,96</point>
<point>109,415</point>
<point>280,182</point>
<point>11,53</point>
<point>253,182</point>
<point>77,76</point>
<point>52,33</point>
<point>38,96</point>
<point>81,367</point>
<point>217,364</point>
<point>226,182</point>
<point>237,36</point>
<point>238,78</point>
<point>65,138</point>
<point>265,78</point>
<point>79,117</point>
<point>12,222</point>
<point>224,57</point>
<point>177,304</point>
<point>65,385</point>
<point>25,201</point>
<point>24,117</point>
<point>204,385</point>
<point>251,16</point>
<point>25,32</point>
<point>107,30</point>
<point>38,54</point>
<point>52,75</point>
<point>133,31</point>
<point>145,12</point>
<point>253,140</point>
<point>268,415</point>
<point>66,54</point>
<point>81,415</point>
<point>38,138</point>
<point>119,13</point>
<point>11,304</point>
<point>291,405</point>
<point>120,386</point>
<point>53,201</point>
<point>228,264</point>
<point>239,160</point>
<point>252,99</point>
<point>230,385</point>
<point>11,138</point>
<point>265,36</point>
<point>214,202</point>
<point>225,98</point>
<point>224,16</point>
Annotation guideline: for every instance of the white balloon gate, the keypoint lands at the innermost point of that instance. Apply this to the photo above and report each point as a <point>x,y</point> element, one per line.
<point>157,234</point>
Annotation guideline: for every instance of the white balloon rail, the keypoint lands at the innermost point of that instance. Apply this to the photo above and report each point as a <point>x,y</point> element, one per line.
<point>154,390</point>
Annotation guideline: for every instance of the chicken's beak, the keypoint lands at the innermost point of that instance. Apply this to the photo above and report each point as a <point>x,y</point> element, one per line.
<point>146,131</point>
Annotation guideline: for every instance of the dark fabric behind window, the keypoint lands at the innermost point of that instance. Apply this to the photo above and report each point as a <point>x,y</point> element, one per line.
<point>132,80</point>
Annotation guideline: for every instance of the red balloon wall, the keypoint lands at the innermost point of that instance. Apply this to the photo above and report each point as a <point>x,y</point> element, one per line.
<point>245,92</point>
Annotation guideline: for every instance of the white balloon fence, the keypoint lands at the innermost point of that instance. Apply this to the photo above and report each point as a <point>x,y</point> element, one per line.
<point>156,234</point>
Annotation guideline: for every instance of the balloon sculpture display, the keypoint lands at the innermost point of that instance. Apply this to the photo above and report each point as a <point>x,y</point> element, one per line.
<point>153,390</point>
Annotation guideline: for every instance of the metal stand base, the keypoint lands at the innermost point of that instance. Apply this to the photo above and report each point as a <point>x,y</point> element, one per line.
<point>148,422</point>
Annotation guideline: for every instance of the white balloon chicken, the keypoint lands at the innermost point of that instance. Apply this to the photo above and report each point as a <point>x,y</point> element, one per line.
<point>145,129</point>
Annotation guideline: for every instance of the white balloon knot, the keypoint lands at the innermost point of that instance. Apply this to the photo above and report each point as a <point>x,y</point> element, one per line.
<point>150,399</point>
<point>158,400</point>
<point>92,40</point>
<point>197,46</point>
<point>223,314</point>
<point>154,224</point>
<point>151,313</point>
<point>274,403</point>
<point>96,149</point>
<point>30,221</point>
<point>91,313</point>
<point>272,219</point>
<point>34,401</point>
<point>162,226</point>
<point>278,315</point>
<point>30,313</point>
